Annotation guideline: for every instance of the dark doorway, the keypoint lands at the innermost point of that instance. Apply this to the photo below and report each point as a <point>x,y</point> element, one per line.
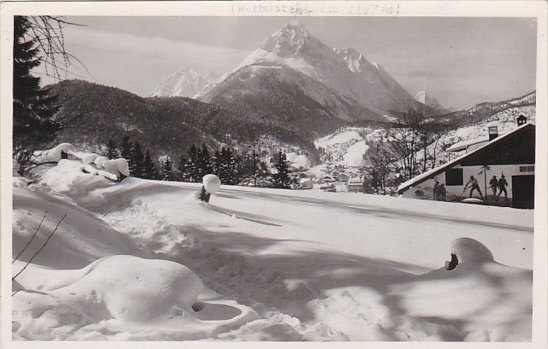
<point>523,191</point>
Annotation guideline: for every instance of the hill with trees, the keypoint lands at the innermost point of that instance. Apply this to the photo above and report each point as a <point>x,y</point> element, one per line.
<point>165,125</point>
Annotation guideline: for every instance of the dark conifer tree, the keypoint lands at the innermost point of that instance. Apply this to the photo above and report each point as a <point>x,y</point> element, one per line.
<point>149,169</point>
<point>168,168</point>
<point>137,160</point>
<point>281,178</point>
<point>33,107</point>
<point>203,162</point>
<point>216,164</point>
<point>112,152</point>
<point>156,173</point>
<point>181,168</point>
<point>190,169</point>
<point>125,148</point>
<point>228,167</point>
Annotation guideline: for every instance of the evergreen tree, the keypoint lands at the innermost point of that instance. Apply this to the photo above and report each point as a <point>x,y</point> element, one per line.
<point>156,173</point>
<point>281,178</point>
<point>137,160</point>
<point>33,107</point>
<point>247,169</point>
<point>112,152</point>
<point>168,168</point>
<point>125,148</point>
<point>203,162</point>
<point>181,168</point>
<point>227,167</point>
<point>216,164</point>
<point>190,169</point>
<point>149,169</point>
<point>236,169</point>
<point>251,170</point>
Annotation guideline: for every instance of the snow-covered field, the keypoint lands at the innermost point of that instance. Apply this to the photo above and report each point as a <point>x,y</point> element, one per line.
<point>145,260</point>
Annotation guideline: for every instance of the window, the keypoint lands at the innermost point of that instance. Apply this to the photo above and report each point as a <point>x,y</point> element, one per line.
<point>453,177</point>
<point>529,168</point>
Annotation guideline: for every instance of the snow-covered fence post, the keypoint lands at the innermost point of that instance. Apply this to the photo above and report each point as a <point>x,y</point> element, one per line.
<point>211,184</point>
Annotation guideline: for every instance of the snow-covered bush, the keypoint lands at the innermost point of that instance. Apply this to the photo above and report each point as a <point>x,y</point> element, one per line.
<point>89,158</point>
<point>471,251</point>
<point>54,154</point>
<point>100,161</point>
<point>118,167</point>
<point>212,183</point>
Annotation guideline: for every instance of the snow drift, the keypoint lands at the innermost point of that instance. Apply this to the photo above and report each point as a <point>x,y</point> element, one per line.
<point>264,264</point>
<point>117,167</point>
<point>54,154</point>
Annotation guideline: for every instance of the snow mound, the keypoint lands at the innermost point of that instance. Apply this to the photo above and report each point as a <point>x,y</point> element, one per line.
<point>54,154</point>
<point>136,289</point>
<point>80,239</point>
<point>473,302</point>
<point>100,161</point>
<point>212,183</point>
<point>89,159</point>
<point>67,177</point>
<point>117,294</point>
<point>117,167</point>
<point>471,251</point>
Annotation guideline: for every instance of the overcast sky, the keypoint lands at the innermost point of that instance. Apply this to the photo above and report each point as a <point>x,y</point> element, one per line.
<point>462,61</point>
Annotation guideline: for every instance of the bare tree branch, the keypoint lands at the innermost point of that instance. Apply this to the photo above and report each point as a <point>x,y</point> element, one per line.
<point>32,238</point>
<point>39,250</point>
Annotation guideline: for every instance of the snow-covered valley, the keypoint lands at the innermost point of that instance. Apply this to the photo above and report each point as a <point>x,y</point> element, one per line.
<point>263,264</point>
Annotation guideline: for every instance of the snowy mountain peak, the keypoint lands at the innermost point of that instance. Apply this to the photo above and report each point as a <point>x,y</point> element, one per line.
<point>288,41</point>
<point>342,81</point>
<point>185,82</point>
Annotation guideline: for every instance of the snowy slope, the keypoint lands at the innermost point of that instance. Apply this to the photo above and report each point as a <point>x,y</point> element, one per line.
<point>345,73</point>
<point>275,265</point>
<point>347,145</point>
<point>183,83</point>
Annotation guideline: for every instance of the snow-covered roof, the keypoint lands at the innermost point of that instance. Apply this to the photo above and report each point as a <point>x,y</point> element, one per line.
<point>465,144</point>
<point>429,174</point>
